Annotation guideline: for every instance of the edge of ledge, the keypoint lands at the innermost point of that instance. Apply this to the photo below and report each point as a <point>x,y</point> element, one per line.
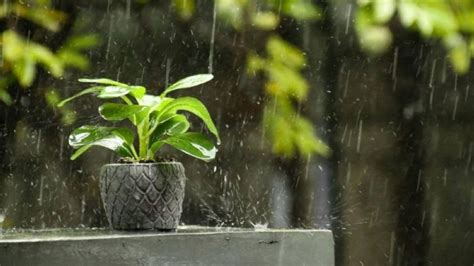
<point>59,235</point>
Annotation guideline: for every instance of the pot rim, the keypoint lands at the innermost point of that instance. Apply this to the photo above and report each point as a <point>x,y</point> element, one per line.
<point>138,164</point>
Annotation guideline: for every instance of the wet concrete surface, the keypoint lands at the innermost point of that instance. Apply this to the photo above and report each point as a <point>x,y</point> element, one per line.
<point>189,245</point>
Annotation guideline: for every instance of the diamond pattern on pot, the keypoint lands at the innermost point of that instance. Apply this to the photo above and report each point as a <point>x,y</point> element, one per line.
<point>143,196</point>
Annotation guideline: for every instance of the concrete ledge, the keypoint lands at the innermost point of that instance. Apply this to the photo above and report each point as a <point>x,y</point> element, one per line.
<point>188,246</point>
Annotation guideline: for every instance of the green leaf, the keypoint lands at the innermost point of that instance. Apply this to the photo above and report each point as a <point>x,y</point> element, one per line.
<point>195,107</point>
<point>461,59</point>
<point>117,112</point>
<point>103,82</point>
<point>177,124</point>
<point>52,97</point>
<point>150,100</point>
<point>289,132</point>
<point>188,82</point>
<point>43,55</point>
<point>25,70</point>
<point>425,24</point>
<point>85,135</point>
<point>73,58</point>
<point>444,20</point>
<point>305,138</point>
<point>459,53</point>
<point>106,92</point>
<point>5,97</point>
<point>301,10</point>
<point>155,119</point>
<point>265,20</point>
<point>194,144</point>
<point>13,47</point>
<point>173,125</point>
<point>287,80</point>
<point>408,13</point>
<point>384,10</point>
<point>255,63</point>
<point>286,53</point>
<point>112,92</point>
<point>80,151</point>
<point>471,46</point>
<point>137,91</point>
<point>164,103</point>
<point>84,92</point>
<point>47,18</point>
<point>185,8</point>
<point>151,103</point>
<point>82,42</point>
<point>119,140</point>
<point>375,39</point>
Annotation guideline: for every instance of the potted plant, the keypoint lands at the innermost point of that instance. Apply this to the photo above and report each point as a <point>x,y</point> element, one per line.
<point>142,192</point>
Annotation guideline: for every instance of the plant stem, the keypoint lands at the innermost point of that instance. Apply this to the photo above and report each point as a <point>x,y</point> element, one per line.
<point>127,100</point>
<point>143,140</point>
<point>143,148</point>
<point>135,155</point>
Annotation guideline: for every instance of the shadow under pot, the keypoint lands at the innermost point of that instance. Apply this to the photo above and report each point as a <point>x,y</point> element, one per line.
<point>143,196</point>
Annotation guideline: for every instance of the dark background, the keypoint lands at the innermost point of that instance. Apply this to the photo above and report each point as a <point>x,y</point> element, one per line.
<point>397,188</point>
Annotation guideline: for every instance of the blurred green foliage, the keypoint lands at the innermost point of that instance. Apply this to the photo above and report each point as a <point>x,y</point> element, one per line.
<point>185,8</point>
<point>285,86</point>
<point>21,55</point>
<point>267,15</point>
<point>289,132</point>
<point>450,21</point>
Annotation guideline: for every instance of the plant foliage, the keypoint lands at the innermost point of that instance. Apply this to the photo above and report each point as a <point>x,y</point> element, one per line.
<point>157,120</point>
<point>289,132</point>
<point>24,52</point>
<point>451,22</point>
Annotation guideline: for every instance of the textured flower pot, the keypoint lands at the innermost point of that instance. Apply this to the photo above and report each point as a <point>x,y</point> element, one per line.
<point>144,195</point>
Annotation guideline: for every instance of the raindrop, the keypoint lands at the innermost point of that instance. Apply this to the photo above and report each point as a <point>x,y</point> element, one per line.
<point>467,93</point>
<point>346,85</point>
<point>395,64</point>
<point>418,181</point>
<point>348,174</point>
<point>348,18</point>
<point>359,138</point>
<point>431,97</point>
<point>128,8</point>
<point>168,69</point>
<point>456,100</point>
<point>455,82</point>
<point>38,142</point>
<point>109,40</point>
<point>445,176</point>
<point>83,207</point>
<point>211,48</point>
<point>392,248</point>
<point>433,68</point>
<point>344,133</point>
<point>40,198</point>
